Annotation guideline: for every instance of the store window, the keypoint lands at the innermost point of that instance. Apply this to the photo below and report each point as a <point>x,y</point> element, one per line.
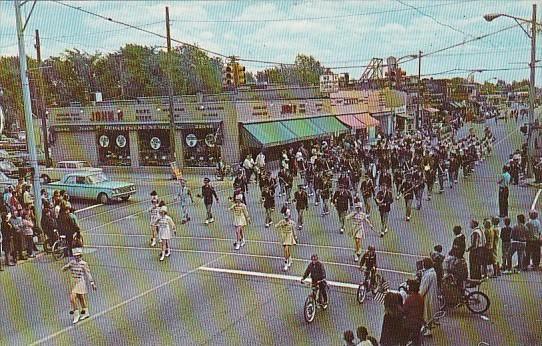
<point>154,147</point>
<point>114,148</point>
<point>201,147</point>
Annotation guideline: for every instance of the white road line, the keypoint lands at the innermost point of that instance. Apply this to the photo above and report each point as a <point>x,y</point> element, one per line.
<point>121,304</point>
<point>274,276</point>
<point>240,254</point>
<point>533,206</point>
<point>88,208</point>
<point>257,242</point>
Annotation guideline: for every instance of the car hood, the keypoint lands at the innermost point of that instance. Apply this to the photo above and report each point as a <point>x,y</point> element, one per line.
<point>111,184</point>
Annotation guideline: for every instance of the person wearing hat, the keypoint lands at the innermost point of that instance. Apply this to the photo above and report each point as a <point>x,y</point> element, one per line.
<point>286,227</point>
<point>384,200</point>
<point>154,213</point>
<point>342,199</point>
<point>268,200</point>
<point>80,273</point>
<point>367,192</point>
<point>301,203</point>
<point>241,218</point>
<point>407,191</point>
<point>359,222</point>
<point>184,196</point>
<point>207,193</point>
<point>165,226</point>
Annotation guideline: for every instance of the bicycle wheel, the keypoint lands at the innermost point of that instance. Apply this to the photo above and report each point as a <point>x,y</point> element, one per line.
<point>477,302</point>
<point>58,250</point>
<point>309,310</point>
<point>362,293</point>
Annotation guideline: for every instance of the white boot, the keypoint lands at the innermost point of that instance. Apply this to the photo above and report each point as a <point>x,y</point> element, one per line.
<point>75,316</point>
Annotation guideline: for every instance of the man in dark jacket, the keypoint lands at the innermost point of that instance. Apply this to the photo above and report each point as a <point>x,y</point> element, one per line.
<point>342,199</point>
<point>459,244</point>
<point>67,227</point>
<point>268,197</point>
<point>519,241</point>
<point>301,203</point>
<point>7,239</point>
<point>317,273</point>
<point>48,225</point>
<point>384,199</point>
<point>207,193</point>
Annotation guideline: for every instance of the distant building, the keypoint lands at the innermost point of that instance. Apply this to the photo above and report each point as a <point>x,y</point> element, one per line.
<point>329,82</point>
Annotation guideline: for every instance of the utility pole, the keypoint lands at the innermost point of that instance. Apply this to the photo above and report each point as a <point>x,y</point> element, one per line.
<point>419,112</point>
<point>42,106</point>
<point>532,94</point>
<point>175,155</point>
<point>30,140</point>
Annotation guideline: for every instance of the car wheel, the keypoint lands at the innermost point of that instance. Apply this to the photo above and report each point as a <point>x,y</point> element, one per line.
<point>103,198</point>
<point>45,179</point>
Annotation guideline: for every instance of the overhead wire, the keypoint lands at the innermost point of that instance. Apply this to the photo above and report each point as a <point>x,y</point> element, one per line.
<point>340,16</point>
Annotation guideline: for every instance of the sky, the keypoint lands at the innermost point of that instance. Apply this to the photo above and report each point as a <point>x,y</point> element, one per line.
<point>344,35</point>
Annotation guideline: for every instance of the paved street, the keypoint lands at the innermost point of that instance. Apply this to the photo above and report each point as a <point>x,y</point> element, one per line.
<point>208,294</point>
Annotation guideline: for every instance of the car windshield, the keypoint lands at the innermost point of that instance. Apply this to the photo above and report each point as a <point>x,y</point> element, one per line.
<point>3,177</point>
<point>83,164</point>
<point>97,178</point>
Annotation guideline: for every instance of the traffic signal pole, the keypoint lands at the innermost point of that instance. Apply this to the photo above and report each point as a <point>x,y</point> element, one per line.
<point>30,140</point>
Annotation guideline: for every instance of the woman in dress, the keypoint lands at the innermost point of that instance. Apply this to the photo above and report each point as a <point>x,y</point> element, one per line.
<point>165,226</point>
<point>240,220</point>
<point>80,272</point>
<point>287,230</point>
<point>359,221</point>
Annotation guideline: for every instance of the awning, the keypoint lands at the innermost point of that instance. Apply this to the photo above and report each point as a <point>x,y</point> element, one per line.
<point>269,134</point>
<point>431,110</point>
<point>358,121</point>
<point>329,125</point>
<point>302,128</point>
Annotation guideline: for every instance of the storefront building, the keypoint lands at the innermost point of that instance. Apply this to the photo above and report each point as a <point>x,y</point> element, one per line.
<point>208,128</point>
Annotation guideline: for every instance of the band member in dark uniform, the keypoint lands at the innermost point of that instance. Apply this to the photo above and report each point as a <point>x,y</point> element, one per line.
<point>419,186</point>
<point>385,178</point>
<point>384,199</point>
<point>407,191</point>
<point>367,192</point>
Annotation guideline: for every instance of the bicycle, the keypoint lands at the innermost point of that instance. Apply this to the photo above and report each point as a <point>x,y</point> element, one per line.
<point>60,247</point>
<point>375,287</point>
<point>313,302</point>
<point>476,301</point>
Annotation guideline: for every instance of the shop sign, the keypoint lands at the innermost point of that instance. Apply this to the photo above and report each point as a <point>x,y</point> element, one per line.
<point>121,141</point>
<point>191,140</point>
<point>191,126</point>
<point>79,128</point>
<point>104,141</point>
<point>136,127</point>
<point>107,116</point>
<point>155,143</point>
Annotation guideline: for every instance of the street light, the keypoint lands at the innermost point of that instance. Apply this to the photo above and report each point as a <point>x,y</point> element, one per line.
<point>490,17</point>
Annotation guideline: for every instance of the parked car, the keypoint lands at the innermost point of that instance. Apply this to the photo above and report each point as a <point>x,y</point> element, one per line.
<point>65,167</point>
<point>8,168</point>
<point>92,185</point>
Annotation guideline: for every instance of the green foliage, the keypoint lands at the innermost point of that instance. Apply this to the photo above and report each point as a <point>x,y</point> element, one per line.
<point>305,71</point>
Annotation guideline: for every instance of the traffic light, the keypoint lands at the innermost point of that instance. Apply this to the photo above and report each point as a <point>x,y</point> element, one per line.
<point>228,79</point>
<point>240,70</point>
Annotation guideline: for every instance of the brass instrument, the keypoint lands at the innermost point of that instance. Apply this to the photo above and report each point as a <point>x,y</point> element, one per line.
<point>381,200</point>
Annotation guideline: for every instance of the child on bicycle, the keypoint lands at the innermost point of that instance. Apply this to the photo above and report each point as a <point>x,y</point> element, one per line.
<point>369,261</point>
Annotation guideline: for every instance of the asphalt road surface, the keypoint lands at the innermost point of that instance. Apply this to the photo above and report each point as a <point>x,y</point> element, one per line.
<point>207,293</point>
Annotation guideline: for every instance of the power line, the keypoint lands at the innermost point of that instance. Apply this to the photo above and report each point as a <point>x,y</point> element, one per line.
<point>101,32</point>
<point>418,9</point>
<point>313,18</point>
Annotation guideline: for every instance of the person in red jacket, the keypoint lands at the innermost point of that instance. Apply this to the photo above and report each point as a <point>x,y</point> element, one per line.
<point>413,313</point>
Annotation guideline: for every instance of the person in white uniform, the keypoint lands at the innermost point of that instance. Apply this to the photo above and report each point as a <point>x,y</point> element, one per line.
<point>80,273</point>
<point>360,222</point>
<point>240,220</point>
<point>165,226</point>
